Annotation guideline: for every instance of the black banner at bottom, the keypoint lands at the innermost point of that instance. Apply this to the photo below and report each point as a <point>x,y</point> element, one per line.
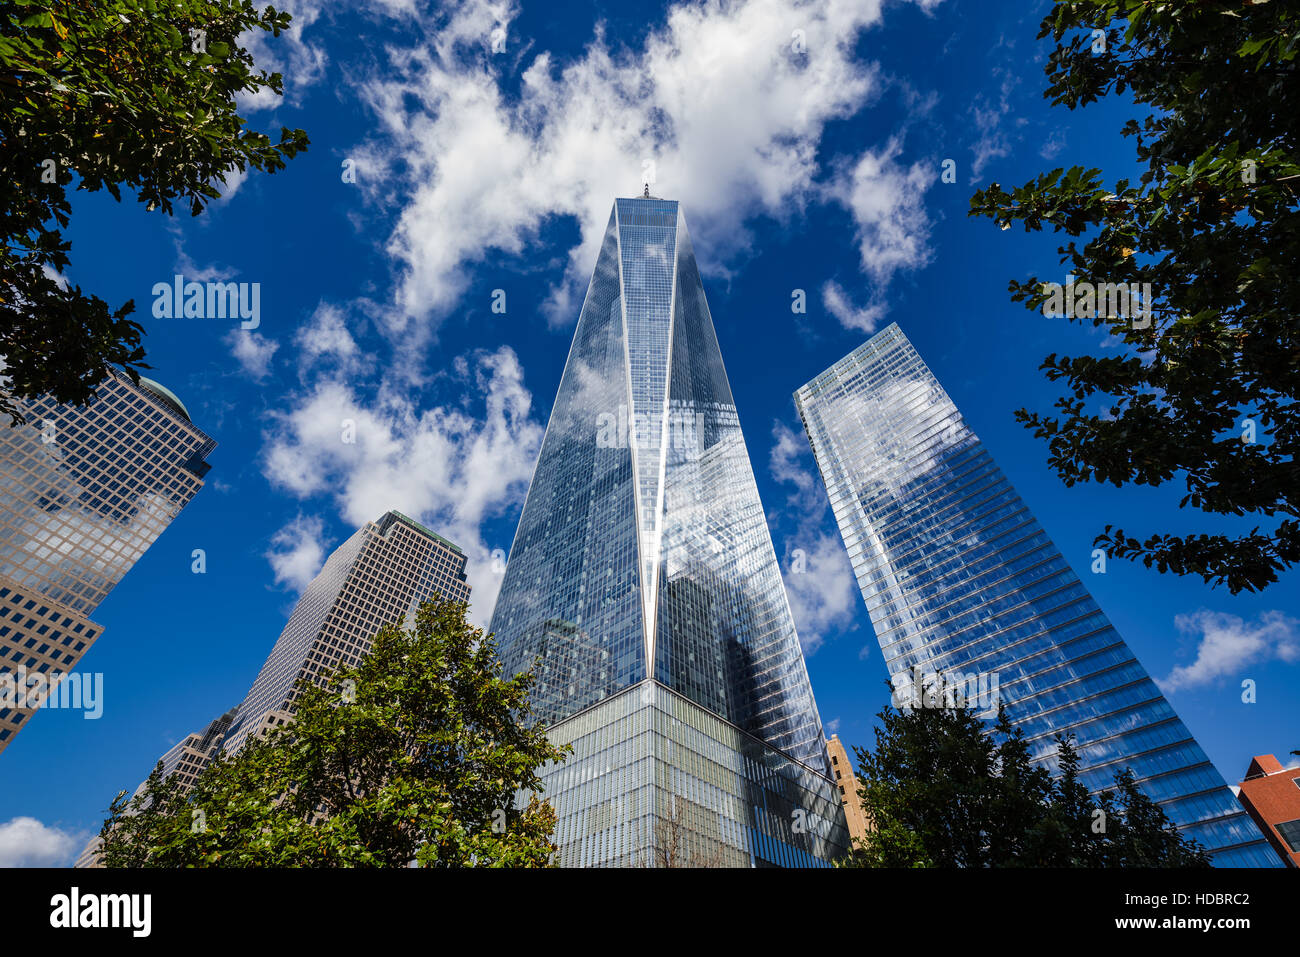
<point>340,906</point>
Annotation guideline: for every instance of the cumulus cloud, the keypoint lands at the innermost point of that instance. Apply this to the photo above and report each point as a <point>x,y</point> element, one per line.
<point>26,842</point>
<point>228,184</point>
<point>838,304</point>
<point>326,337</point>
<point>785,460</point>
<point>723,107</point>
<point>298,552</point>
<point>447,466</point>
<point>301,62</point>
<point>887,202</point>
<point>1225,644</point>
<point>253,351</point>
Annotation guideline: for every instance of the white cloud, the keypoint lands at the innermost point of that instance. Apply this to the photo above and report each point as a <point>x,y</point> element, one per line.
<point>994,140</point>
<point>992,143</point>
<point>26,842</point>
<point>300,62</point>
<point>229,183</point>
<point>51,273</point>
<point>862,319</point>
<point>1052,145</point>
<point>784,461</point>
<point>253,350</point>
<point>717,102</point>
<point>298,552</point>
<point>444,466</point>
<point>927,404</point>
<point>187,267</point>
<point>887,203</point>
<point>326,336</point>
<point>1226,644</point>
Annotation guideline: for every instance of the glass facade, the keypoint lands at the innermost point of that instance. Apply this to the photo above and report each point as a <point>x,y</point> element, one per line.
<point>642,554</point>
<point>961,582</point>
<point>83,493</point>
<point>654,780</point>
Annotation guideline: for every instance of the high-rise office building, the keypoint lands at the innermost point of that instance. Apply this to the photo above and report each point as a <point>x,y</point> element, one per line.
<point>961,581</point>
<point>183,761</point>
<point>83,493</point>
<point>381,574</point>
<point>1270,793</point>
<point>643,582</point>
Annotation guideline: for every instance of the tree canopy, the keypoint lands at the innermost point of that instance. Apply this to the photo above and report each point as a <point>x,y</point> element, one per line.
<point>416,754</point>
<point>942,791</point>
<point>118,95</point>
<point>1202,388</point>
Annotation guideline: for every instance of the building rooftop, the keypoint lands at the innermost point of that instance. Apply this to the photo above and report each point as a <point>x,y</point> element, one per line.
<point>423,528</point>
<point>168,397</point>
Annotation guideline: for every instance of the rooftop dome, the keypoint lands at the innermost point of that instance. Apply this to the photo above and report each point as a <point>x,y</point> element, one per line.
<point>168,397</point>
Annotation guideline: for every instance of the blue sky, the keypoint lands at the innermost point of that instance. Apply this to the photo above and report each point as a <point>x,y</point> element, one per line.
<point>805,142</point>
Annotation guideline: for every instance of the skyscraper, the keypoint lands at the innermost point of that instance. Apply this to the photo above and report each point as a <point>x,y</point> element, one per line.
<point>381,574</point>
<point>83,493</point>
<point>961,580</point>
<point>643,583</point>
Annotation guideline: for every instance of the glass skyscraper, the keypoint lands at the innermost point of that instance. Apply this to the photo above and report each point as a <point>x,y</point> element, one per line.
<point>961,580</point>
<point>83,493</point>
<point>643,584</point>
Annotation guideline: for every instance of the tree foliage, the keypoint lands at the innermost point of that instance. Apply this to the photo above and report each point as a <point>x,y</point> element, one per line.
<point>416,754</point>
<point>942,791</point>
<point>1204,390</point>
<point>136,95</point>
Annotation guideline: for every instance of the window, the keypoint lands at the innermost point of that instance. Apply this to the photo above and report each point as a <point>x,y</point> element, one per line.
<point>1290,831</point>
